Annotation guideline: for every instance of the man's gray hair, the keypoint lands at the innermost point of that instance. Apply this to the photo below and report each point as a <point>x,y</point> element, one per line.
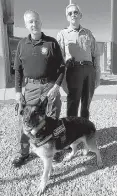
<point>73,4</point>
<point>30,12</point>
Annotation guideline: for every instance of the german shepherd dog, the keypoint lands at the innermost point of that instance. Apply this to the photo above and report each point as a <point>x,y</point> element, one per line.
<point>48,136</point>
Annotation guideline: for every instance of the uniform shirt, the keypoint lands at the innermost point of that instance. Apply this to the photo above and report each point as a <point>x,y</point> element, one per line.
<point>38,59</point>
<point>79,44</point>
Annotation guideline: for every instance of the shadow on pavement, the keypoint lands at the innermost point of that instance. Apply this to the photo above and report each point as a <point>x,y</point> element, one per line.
<point>107,142</point>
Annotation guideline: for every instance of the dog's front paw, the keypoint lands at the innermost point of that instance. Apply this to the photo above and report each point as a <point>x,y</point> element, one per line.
<point>100,164</point>
<point>42,186</point>
<point>69,156</point>
<point>85,152</point>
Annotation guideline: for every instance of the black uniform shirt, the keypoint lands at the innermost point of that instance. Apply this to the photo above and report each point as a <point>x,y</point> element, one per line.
<point>38,59</point>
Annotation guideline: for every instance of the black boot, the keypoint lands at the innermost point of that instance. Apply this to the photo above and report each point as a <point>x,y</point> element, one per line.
<point>18,162</point>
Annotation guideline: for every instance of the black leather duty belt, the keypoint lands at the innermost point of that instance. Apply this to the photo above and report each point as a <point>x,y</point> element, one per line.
<point>79,63</point>
<point>38,81</point>
<point>72,63</point>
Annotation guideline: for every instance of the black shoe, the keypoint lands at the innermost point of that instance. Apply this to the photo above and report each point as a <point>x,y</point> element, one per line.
<point>18,162</point>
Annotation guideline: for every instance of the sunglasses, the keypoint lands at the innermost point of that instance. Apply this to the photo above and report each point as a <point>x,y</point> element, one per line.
<point>75,13</point>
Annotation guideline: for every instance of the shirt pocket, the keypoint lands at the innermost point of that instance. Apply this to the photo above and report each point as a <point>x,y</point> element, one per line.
<point>85,42</point>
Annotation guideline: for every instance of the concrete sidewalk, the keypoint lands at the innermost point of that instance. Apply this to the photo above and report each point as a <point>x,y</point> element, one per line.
<point>102,91</point>
<point>107,89</point>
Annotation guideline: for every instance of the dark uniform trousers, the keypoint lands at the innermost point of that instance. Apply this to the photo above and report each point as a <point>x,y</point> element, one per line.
<point>54,108</point>
<point>81,85</point>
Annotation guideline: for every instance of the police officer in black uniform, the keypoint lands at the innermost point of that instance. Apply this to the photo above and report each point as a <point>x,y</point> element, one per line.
<point>39,60</point>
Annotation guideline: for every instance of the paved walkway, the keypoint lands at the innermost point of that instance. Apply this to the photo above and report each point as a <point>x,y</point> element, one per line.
<point>101,91</point>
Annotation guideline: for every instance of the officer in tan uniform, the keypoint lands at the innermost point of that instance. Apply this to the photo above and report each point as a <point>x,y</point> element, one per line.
<point>81,56</point>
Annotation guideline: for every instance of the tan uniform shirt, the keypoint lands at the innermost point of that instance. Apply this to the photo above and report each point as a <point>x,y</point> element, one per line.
<point>78,44</point>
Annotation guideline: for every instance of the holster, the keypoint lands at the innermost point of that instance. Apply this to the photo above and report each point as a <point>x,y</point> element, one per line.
<point>70,62</point>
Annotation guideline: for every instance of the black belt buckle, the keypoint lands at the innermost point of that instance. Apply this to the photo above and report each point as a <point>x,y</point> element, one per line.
<point>89,63</point>
<point>40,80</point>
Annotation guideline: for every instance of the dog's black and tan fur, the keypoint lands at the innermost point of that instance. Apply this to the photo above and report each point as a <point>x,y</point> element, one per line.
<point>77,130</point>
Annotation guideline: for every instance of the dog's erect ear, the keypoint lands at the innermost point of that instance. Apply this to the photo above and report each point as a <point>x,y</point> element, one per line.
<point>45,102</point>
<point>43,106</point>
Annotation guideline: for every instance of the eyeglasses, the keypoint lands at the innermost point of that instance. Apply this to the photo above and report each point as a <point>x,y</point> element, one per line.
<point>75,13</point>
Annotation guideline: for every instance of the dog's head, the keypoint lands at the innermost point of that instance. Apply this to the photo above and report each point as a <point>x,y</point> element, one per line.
<point>33,115</point>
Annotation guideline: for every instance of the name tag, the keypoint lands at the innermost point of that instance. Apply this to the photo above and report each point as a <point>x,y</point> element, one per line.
<point>61,129</point>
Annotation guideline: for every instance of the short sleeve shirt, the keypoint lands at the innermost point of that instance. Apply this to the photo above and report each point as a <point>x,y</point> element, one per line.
<point>79,44</point>
<point>37,59</point>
